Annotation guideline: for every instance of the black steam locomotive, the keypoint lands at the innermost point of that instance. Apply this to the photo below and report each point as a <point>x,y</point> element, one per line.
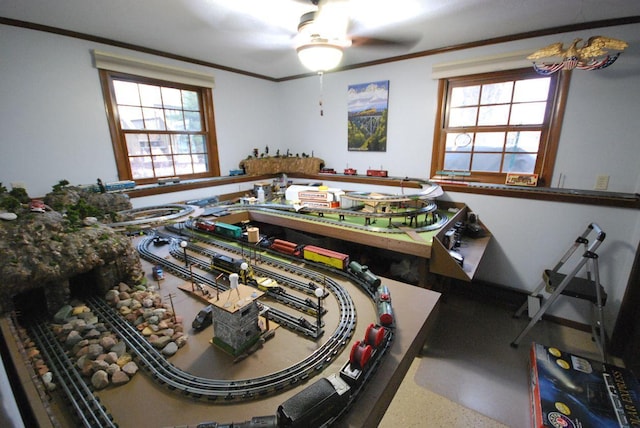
<point>324,401</point>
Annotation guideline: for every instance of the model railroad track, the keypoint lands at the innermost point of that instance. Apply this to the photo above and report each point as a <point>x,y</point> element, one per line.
<point>197,387</point>
<point>297,324</point>
<point>245,389</point>
<point>438,219</point>
<point>303,304</point>
<point>187,229</point>
<point>86,406</point>
<point>153,215</point>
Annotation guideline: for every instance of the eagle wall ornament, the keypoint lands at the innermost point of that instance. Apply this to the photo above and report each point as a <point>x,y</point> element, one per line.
<point>592,55</point>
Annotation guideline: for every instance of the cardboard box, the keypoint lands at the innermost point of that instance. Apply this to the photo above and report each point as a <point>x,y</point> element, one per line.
<point>567,390</point>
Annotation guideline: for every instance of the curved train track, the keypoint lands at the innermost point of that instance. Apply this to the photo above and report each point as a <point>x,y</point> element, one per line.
<point>187,229</point>
<point>92,413</point>
<point>283,318</point>
<point>290,300</point>
<point>231,390</point>
<point>437,220</point>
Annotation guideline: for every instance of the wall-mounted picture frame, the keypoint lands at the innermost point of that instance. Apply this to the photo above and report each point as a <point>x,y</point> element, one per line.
<point>368,105</point>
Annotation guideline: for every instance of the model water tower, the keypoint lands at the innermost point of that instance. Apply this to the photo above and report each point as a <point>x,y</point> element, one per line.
<point>235,317</point>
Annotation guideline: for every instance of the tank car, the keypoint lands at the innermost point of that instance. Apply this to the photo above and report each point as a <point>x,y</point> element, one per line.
<point>383,303</point>
<point>363,272</point>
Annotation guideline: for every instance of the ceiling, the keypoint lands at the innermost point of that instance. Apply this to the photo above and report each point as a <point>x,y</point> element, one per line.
<point>257,36</point>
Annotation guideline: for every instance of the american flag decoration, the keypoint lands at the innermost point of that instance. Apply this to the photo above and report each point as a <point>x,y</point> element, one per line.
<point>592,55</point>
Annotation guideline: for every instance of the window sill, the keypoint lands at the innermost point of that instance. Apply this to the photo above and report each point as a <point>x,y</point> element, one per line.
<point>159,189</point>
<point>586,197</point>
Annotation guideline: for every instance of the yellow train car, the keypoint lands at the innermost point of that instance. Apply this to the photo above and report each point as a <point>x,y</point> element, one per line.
<point>327,257</point>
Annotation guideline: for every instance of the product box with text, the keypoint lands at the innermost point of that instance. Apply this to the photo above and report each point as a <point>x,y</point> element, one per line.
<point>570,391</point>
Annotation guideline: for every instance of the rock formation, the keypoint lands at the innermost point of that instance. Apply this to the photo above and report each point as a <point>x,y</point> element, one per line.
<point>47,250</point>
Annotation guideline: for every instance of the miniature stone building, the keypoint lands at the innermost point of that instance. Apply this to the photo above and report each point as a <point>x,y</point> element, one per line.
<point>235,317</point>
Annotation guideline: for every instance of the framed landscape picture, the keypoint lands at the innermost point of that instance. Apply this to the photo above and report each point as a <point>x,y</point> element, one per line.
<point>367,111</point>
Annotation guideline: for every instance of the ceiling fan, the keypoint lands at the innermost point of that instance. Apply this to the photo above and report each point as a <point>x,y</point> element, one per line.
<point>325,32</point>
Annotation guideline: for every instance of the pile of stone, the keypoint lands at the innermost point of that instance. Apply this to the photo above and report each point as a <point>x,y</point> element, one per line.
<point>144,308</point>
<point>97,352</point>
<point>32,353</point>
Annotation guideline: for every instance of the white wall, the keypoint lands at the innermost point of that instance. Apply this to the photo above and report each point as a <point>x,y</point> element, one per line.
<point>599,133</point>
<point>54,124</point>
<point>599,136</point>
<point>54,127</point>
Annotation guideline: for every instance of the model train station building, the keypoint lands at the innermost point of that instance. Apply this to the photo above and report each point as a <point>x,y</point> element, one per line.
<point>235,318</point>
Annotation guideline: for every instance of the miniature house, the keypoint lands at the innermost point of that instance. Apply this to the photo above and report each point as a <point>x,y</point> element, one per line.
<point>235,317</point>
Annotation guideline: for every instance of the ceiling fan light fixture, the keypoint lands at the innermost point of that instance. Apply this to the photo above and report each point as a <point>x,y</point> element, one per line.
<point>320,56</point>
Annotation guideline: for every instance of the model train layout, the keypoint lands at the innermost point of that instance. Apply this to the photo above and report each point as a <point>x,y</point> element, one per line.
<point>295,279</point>
<point>220,255</point>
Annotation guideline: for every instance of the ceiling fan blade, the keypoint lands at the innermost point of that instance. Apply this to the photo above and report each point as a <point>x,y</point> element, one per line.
<point>332,19</point>
<point>391,42</point>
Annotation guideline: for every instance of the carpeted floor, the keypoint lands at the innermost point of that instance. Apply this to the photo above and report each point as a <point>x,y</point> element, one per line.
<point>469,375</point>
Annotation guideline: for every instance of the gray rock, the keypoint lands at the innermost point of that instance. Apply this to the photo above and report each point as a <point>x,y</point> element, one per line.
<point>89,221</point>
<point>160,342</point>
<point>94,351</point>
<point>119,378</point>
<point>92,334</point>
<point>73,338</point>
<point>112,297</point>
<point>119,348</point>
<point>80,361</point>
<point>181,340</point>
<point>100,379</point>
<point>130,368</point>
<point>63,313</point>
<point>8,216</point>
<point>126,302</point>
<point>112,369</point>
<point>111,357</point>
<point>107,342</point>
<point>78,324</point>
<point>160,312</point>
<point>99,365</point>
<point>170,349</point>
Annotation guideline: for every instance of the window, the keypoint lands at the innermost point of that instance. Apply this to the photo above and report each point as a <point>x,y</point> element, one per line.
<point>493,124</point>
<point>159,128</point>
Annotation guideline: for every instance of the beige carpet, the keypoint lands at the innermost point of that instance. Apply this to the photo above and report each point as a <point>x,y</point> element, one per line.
<point>468,358</point>
<point>416,406</point>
